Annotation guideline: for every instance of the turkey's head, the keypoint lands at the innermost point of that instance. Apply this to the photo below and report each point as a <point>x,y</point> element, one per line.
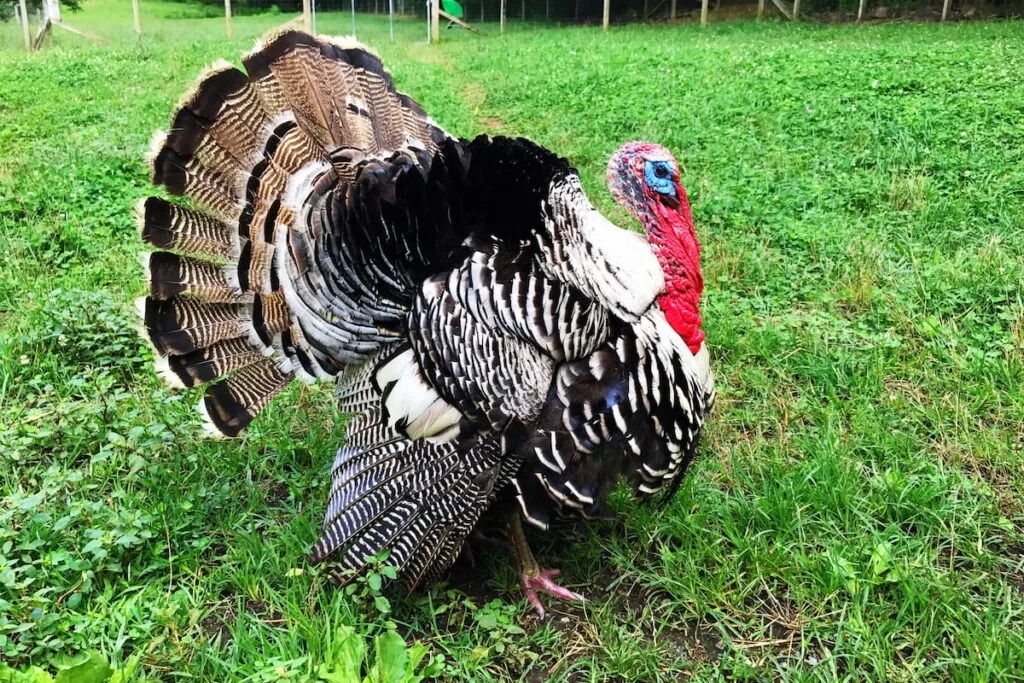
<point>644,179</point>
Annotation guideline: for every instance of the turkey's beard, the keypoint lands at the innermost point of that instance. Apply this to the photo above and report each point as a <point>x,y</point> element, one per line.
<point>671,234</point>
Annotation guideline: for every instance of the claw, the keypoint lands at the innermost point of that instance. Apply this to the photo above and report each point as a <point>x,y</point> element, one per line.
<point>543,581</point>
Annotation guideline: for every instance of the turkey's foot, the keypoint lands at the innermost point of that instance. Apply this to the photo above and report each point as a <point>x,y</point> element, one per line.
<point>531,577</point>
<point>542,581</point>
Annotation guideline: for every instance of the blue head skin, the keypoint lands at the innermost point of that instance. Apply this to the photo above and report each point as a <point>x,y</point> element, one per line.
<point>660,177</point>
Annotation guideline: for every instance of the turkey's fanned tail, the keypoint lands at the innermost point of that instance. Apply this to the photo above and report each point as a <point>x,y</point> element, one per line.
<point>253,153</point>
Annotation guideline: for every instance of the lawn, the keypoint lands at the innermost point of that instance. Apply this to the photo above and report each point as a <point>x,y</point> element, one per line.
<point>858,509</point>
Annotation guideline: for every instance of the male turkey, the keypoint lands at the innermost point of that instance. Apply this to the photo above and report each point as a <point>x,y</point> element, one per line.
<point>499,340</point>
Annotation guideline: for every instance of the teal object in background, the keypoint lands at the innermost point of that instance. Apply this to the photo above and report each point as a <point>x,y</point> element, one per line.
<point>452,7</point>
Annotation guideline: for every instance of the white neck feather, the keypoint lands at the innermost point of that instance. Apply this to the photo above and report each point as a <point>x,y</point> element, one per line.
<point>613,266</point>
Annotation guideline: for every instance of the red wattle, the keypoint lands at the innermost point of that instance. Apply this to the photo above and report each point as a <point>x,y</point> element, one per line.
<point>674,240</point>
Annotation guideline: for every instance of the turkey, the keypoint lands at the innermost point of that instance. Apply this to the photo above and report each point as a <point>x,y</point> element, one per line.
<point>500,344</point>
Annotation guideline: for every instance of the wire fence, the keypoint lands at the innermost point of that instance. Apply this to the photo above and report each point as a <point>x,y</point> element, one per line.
<point>416,20</point>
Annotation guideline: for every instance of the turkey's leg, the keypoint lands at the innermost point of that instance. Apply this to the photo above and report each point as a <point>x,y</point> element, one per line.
<point>531,577</point>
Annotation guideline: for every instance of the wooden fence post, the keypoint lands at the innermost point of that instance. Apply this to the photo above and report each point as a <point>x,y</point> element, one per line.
<point>435,20</point>
<point>703,13</point>
<point>502,23</point>
<point>307,16</point>
<point>135,16</point>
<point>23,13</point>
<point>945,8</point>
<point>672,13</point>
<point>227,19</point>
<point>760,10</point>
<point>796,10</point>
<point>607,14</point>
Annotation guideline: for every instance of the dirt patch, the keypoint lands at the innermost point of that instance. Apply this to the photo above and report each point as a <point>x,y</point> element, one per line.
<point>429,55</point>
<point>1000,477</point>
<point>697,642</point>
<point>475,95</point>
<point>217,624</point>
<point>1015,552</point>
<point>275,492</point>
<point>493,123</point>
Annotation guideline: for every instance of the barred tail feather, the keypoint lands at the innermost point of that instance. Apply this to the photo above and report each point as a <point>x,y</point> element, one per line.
<point>231,404</point>
<point>249,150</point>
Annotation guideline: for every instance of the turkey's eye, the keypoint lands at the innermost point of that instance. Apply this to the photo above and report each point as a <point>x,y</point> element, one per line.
<point>661,171</point>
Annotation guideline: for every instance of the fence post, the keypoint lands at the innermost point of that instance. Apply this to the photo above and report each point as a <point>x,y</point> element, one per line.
<point>135,16</point>
<point>796,10</point>
<point>760,10</point>
<point>672,12</point>
<point>703,13</point>
<point>307,17</point>
<point>945,9</point>
<point>435,20</point>
<point>607,14</point>
<point>860,9</point>
<point>502,23</point>
<point>227,19</point>
<point>23,14</point>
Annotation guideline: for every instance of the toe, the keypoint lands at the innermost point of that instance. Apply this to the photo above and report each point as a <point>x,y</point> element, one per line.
<point>534,600</point>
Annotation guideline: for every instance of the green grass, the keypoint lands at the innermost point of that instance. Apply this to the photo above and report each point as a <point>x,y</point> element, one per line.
<point>856,515</point>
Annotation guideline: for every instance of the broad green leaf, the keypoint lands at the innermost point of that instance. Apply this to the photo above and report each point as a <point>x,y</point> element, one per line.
<point>92,669</point>
<point>392,659</point>
<point>345,661</point>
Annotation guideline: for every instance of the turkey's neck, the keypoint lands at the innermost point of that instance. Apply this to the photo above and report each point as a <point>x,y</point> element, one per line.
<point>673,238</point>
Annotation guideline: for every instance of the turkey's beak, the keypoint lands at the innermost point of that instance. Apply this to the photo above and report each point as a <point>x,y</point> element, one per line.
<point>669,201</point>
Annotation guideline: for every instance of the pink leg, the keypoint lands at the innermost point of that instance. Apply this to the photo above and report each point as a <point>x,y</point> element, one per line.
<point>531,577</point>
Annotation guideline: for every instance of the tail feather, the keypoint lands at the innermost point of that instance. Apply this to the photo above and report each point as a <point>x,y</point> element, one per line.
<point>173,276</point>
<point>217,360</point>
<point>183,325</point>
<point>251,150</point>
<point>231,404</point>
<point>174,228</point>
